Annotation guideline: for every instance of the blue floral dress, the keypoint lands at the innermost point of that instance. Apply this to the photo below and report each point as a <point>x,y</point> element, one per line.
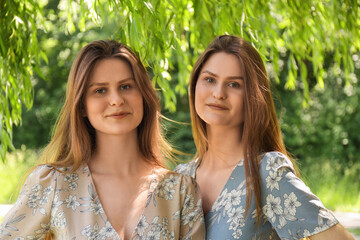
<point>289,209</point>
<point>67,206</point>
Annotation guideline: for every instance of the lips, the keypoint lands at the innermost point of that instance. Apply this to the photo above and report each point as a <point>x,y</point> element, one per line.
<point>217,106</point>
<point>118,115</point>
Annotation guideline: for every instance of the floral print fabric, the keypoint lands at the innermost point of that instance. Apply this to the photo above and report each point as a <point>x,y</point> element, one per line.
<point>289,209</point>
<point>66,206</point>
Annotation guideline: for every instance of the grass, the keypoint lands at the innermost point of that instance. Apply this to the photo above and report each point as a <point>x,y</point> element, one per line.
<point>355,231</point>
<point>12,173</point>
<point>338,193</point>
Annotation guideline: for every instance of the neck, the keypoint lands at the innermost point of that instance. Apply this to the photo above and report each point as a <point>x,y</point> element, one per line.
<point>225,148</point>
<point>118,154</point>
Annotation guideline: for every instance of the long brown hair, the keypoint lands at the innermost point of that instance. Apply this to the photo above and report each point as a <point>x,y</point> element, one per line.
<point>261,131</point>
<point>74,138</point>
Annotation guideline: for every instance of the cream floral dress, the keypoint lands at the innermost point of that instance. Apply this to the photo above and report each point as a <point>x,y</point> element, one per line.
<point>289,209</point>
<point>67,206</point>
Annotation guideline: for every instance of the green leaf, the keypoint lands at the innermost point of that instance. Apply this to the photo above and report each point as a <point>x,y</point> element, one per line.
<point>43,55</point>
<point>205,12</point>
<point>38,71</point>
<point>304,80</point>
<point>290,82</point>
<point>149,7</point>
<point>326,34</point>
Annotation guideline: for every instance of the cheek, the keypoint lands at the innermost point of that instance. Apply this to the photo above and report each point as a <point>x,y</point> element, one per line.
<point>240,107</point>
<point>138,103</point>
<point>197,103</point>
<point>199,98</point>
<point>87,107</point>
<point>92,106</point>
<point>141,108</point>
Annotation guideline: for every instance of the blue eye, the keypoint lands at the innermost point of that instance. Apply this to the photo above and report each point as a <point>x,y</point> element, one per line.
<point>234,85</point>
<point>125,87</point>
<point>210,80</point>
<point>100,90</point>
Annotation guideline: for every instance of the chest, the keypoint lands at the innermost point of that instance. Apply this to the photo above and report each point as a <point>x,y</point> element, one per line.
<point>213,183</point>
<point>211,188</point>
<point>83,207</point>
<point>123,202</point>
<point>226,219</point>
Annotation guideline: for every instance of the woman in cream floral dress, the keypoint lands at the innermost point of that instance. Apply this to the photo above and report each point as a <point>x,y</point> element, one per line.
<point>104,176</point>
<point>249,184</point>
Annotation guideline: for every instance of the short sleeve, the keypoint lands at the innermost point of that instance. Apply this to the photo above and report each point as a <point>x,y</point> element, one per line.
<point>287,203</point>
<point>29,218</point>
<point>188,169</point>
<point>191,214</point>
<point>182,168</point>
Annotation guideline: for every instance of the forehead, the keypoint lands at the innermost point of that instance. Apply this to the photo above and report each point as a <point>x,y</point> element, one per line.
<point>223,64</point>
<point>110,69</point>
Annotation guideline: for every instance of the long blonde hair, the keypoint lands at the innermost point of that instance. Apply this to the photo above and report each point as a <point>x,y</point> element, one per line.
<point>74,138</point>
<point>261,131</point>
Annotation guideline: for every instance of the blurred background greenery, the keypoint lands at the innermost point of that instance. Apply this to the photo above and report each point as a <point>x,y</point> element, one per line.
<point>319,112</point>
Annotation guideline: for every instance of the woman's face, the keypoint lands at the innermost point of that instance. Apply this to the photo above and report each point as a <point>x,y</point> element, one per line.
<point>113,102</point>
<point>219,91</point>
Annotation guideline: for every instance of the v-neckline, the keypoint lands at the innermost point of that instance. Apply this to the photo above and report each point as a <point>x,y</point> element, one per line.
<point>196,166</point>
<point>154,180</point>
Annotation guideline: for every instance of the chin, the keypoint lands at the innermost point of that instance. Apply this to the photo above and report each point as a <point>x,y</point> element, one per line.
<point>216,123</point>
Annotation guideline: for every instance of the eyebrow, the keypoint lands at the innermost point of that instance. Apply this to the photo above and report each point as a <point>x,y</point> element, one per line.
<point>106,83</point>
<point>215,75</point>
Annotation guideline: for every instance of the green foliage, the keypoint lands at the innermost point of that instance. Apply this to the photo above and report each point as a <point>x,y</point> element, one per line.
<point>19,57</point>
<point>307,29</point>
<point>14,173</point>
<point>355,231</point>
<point>61,50</point>
<point>324,135</point>
<point>328,127</point>
<point>338,191</point>
<point>312,54</point>
<point>161,31</point>
<point>178,132</point>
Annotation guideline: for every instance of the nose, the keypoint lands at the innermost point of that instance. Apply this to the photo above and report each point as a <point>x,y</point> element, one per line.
<point>219,92</point>
<point>115,99</point>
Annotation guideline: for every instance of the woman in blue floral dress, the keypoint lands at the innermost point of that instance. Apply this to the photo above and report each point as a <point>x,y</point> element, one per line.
<point>249,184</point>
<point>104,176</point>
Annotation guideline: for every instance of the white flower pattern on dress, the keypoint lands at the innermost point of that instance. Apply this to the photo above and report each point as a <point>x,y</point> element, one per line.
<point>68,206</point>
<point>291,204</point>
<point>72,203</point>
<point>272,181</point>
<point>59,221</point>
<point>188,203</point>
<point>91,232</point>
<point>72,178</point>
<point>107,231</point>
<point>142,225</point>
<point>37,198</point>
<point>288,208</point>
